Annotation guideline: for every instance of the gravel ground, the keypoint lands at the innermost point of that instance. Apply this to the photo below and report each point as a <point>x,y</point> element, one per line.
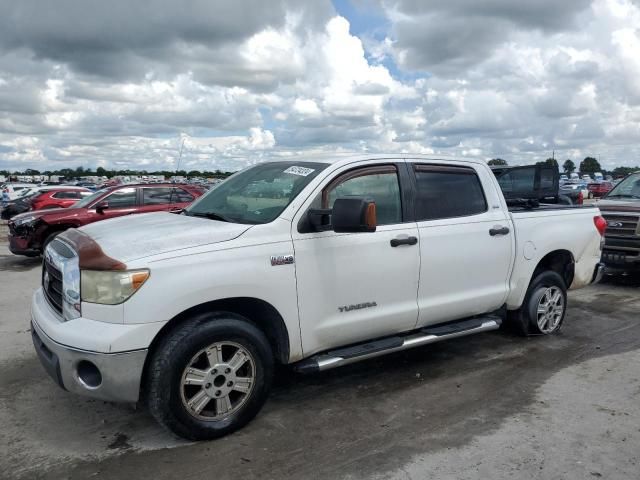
<point>490,406</point>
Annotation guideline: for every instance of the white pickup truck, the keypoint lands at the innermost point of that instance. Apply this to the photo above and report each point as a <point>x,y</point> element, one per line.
<point>311,263</point>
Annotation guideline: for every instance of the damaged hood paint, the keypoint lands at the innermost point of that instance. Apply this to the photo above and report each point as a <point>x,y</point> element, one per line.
<point>137,236</point>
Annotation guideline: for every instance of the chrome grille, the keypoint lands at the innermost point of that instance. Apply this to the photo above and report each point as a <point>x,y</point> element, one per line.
<point>52,284</point>
<point>621,225</point>
<point>55,253</point>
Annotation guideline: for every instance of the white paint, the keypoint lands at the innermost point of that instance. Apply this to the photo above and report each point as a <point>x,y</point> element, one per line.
<point>455,270</point>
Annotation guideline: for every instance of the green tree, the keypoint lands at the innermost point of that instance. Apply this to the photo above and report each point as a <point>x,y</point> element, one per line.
<point>100,171</point>
<point>549,162</point>
<point>590,165</point>
<point>493,161</point>
<point>624,171</point>
<point>568,166</point>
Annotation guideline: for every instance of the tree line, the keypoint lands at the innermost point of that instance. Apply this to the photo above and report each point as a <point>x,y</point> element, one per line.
<point>587,166</point>
<point>103,172</point>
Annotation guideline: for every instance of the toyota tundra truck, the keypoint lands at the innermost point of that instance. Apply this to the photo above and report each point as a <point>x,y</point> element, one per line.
<point>313,264</point>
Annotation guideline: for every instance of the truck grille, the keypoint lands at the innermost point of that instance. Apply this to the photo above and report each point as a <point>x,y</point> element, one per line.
<point>621,225</point>
<point>51,274</point>
<point>52,285</point>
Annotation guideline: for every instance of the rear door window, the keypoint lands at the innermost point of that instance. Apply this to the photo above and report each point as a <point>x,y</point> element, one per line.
<point>181,196</point>
<point>157,195</point>
<point>67,195</point>
<point>448,192</point>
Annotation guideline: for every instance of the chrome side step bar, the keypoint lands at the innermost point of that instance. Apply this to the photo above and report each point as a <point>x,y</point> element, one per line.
<point>376,348</point>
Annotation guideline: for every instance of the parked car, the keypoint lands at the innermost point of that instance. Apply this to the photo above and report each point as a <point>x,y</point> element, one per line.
<point>599,189</point>
<point>14,189</point>
<point>23,203</point>
<point>576,190</point>
<point>30,232</point>
<point>58,197</point>
<point>364,256</point>
<point>621,209</point>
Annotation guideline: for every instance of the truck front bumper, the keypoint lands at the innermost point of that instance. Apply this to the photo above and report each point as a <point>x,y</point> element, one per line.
<point>106,376</point>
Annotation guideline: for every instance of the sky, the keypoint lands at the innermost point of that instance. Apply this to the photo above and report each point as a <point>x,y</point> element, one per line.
<point>123,84</point>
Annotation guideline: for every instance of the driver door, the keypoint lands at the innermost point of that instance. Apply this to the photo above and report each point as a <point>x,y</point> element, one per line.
<point>357,286</point>
<point>123,201</point>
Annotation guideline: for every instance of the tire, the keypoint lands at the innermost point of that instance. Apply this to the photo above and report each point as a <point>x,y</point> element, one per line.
<point>190,385</point>
<point>547,290</point>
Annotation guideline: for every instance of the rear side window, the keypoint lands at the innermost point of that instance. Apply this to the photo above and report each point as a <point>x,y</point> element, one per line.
<point>547,177</point>
<point>448,192</point>
<point>181,196</point>
<point>67,195</point>
<point>519,180</point>
<point>157,196</point>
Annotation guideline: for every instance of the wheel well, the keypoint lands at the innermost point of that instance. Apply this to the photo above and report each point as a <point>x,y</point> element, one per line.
<point>260,313</point>
<point>53,229</point>
<point>560,261</point>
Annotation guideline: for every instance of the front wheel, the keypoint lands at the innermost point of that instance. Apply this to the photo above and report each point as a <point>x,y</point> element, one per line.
<point>544,306</point>
<point>210,376</point>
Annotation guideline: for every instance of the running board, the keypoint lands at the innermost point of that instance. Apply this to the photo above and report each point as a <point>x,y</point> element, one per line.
<point>376,348</point>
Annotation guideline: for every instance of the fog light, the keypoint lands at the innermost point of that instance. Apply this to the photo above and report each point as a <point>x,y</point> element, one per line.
<point>88,374</point>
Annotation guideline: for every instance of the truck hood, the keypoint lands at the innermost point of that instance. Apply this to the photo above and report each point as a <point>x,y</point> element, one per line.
<point>619,205</point>
<point>137,236</point>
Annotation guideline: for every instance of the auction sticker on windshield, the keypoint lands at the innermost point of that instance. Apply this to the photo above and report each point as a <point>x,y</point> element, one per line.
<point>302,171</point>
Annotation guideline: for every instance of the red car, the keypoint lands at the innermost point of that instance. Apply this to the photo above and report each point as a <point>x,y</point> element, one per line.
<point>30,232</point>
<point>599,189</point>
<point>58,198</point>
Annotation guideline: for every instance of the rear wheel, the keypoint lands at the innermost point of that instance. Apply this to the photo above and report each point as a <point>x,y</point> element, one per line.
<point>210,376</point>
<point>544,306</point>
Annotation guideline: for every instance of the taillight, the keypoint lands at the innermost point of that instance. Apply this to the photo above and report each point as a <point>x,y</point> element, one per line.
<point>580,200</point>
<point>601,224</point>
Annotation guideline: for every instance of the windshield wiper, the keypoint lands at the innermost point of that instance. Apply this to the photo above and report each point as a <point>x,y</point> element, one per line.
<point>210,216</point>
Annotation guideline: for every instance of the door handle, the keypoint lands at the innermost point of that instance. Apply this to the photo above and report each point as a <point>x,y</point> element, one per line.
<point>396,242</point>
<point>498,230</point>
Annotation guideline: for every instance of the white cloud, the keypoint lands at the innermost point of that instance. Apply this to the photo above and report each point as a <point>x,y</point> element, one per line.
<point>509,79</point>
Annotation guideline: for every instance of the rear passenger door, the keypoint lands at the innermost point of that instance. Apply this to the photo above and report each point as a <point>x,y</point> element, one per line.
<point>464,264</point>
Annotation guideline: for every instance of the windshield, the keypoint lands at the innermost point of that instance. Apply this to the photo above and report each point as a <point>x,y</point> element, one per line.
<point>258,194</point>
<point>627,188</point>
<point>86,201</point>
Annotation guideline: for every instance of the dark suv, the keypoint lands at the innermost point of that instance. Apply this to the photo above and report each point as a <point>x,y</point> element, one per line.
<point>30,232</point>
<point>621,209</point>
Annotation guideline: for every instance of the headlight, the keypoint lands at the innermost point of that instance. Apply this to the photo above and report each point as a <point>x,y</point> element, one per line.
<point>24,220</point>
<point>110,287</point>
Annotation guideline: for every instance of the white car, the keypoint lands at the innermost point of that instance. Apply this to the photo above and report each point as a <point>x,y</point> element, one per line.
<point>16,189</point>
<point>353,258</point>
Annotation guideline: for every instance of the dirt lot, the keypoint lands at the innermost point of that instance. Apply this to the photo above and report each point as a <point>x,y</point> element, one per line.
<point>489,406</point>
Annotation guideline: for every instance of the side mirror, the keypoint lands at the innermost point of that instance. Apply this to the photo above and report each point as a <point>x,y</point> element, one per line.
<point>350,215</point>
<point>102,206</point>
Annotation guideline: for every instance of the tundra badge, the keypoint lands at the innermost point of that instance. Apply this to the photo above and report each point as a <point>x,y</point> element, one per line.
<point>357,306</point>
